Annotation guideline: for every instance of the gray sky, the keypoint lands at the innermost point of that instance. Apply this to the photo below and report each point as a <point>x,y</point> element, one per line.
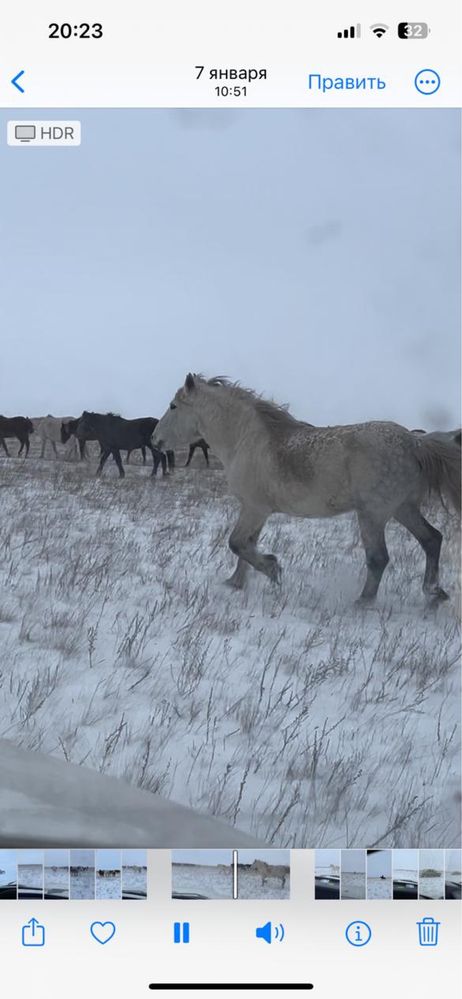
<point>353,861</point>
<point>108,859</point>
<point>379,864</point>
<point>30,856</point>
<point>8,860</point>
<point>406,860</point>
<point>209,858</point>
<point>453,861</point>
<point>56,858</point>
<point>82,858</point>
<point>431,858</point>
<point>313,255</point>
<point>325,858</point>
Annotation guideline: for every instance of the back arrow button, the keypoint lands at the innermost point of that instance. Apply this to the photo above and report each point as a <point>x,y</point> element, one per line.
<point>15,83</point>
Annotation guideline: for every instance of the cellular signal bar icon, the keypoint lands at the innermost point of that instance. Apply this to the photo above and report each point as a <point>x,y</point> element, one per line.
<point>354,31</point>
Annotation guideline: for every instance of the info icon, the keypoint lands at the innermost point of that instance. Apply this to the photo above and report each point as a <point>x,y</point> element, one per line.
<point>358,933</point>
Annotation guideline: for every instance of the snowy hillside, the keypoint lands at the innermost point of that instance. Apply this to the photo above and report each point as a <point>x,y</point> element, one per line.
<point>289,713</point>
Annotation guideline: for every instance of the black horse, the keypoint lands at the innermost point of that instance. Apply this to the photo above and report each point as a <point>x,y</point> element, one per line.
<point>170,455</point>
<point>16,426</point>
<point>204,448</point>
<point>69,429</point>
<point>114,434</point>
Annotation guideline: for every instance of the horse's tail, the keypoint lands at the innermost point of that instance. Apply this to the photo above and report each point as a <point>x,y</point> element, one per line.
<point>440,461</point>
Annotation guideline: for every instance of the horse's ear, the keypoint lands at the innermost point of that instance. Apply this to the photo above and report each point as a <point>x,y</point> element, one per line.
<point>189,383</point>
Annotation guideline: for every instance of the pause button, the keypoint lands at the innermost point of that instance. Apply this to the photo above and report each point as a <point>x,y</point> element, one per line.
<point>181,933</point>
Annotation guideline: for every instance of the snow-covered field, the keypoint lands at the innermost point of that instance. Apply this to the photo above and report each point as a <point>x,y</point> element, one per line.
<point>250,886</point>
<point>82,883</point>
<point>202,880</point>
<point>215,883</point>
<point>432,887</point>
<point>379,888</point>
<point>353,885</point>
<point>133,880</point>
<point>57,879</point>
<point>108,887</point>
<point>30,875</point>
<point>288,712</point>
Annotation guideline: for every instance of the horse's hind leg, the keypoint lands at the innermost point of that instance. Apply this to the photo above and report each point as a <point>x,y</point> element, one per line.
<point>205,452</point>
<point>171,461</point>
<point>3,443</point>
<point>21,449</point>
<point>118,461</point>
<point>105,452</point>
<point>430,540</point>
<point>377,558</point>
<point>192,449</point>
<point>243,542</point>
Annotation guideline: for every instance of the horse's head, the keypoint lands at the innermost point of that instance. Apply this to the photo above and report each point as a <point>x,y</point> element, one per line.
<point>180,423</point>
<point>65,432</point>
<point>85,424</point>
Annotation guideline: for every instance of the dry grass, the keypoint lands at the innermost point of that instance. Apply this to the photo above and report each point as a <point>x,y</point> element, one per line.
<point>287,712</point>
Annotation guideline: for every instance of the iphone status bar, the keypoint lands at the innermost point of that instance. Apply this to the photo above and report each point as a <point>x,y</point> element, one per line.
<point>208,54</point>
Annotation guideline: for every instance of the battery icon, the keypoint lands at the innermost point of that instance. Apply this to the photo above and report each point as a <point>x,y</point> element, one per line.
<point>413,29</point>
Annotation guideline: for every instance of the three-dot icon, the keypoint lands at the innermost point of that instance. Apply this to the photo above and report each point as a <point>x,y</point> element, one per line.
<point>427,81</point>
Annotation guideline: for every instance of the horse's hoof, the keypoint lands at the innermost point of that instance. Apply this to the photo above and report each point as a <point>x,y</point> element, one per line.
<point>436,597</point>
<point>365,603</point>
<point>234,584</point>
<point>273,569</point>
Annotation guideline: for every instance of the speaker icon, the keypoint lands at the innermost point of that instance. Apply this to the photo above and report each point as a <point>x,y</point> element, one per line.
<point>270,933</point>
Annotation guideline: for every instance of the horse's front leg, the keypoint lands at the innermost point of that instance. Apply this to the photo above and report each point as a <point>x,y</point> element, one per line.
<point>156,459</point>
<point>3,443</point>
<point>243,542</point>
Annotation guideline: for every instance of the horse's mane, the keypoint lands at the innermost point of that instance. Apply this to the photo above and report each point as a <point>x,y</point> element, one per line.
<point>92,413</point>
<point>276,418</point>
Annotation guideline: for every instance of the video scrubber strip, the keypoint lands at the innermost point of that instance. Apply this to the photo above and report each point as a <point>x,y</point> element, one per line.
<point>87,874</point>
<point>369,875</point>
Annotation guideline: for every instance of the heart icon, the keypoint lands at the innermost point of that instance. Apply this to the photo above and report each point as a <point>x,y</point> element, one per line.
<point>102,932</point>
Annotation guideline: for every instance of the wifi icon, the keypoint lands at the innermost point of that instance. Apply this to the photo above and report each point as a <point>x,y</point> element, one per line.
<point>379,30</point>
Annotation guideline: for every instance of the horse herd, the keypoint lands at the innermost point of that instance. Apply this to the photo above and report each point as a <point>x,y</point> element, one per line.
<point>113,433</point>
<point>275,463</point>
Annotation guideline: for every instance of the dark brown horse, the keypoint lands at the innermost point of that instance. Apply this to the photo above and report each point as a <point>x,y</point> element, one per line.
<point>20,427</point>
<point>114,434</point>
<point>204,448</point>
